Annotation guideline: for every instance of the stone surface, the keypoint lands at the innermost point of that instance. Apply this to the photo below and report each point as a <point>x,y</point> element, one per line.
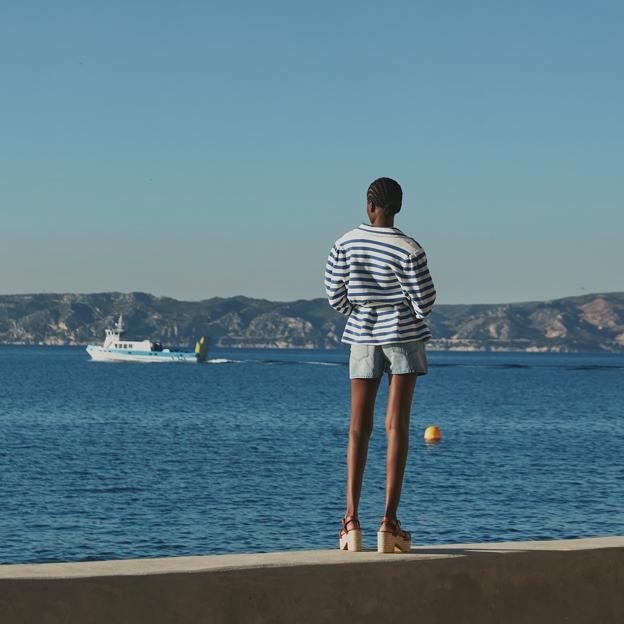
<point>573,581</point>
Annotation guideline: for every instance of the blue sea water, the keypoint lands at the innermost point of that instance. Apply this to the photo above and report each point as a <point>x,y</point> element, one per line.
<point>247,452</point>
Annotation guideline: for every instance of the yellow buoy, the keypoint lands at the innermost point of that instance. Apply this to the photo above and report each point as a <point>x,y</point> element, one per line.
<point>433,434</point>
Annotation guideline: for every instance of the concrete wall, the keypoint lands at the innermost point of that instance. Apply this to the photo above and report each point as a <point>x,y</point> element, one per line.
<point>572,581</point>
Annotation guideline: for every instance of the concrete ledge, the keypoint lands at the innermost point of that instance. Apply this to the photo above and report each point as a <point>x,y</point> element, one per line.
<point>530,582</point>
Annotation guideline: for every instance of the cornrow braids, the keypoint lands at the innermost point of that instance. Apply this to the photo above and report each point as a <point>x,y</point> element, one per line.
<point>385,193</point>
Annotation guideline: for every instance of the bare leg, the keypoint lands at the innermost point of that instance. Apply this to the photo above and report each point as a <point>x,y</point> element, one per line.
<point>400,393</point>
<point>363,394</point>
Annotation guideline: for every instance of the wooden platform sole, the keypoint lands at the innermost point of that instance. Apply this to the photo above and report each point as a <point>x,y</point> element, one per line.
<point>352,541</point>
<point>388,542</point>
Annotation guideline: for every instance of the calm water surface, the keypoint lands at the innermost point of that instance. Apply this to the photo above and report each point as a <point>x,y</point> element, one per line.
<point>101,461</point>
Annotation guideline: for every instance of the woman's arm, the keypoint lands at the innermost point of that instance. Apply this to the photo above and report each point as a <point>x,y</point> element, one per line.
<point>335,286</point>
<point>417,284</point>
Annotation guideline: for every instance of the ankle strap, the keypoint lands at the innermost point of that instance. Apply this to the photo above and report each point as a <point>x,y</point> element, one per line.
<point>389,520</point>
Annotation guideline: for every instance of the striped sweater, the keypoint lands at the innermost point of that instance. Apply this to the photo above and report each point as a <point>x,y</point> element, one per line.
<point>378,277</point>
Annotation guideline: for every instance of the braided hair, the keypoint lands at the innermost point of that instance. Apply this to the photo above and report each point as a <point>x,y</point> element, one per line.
<point>385,193</point>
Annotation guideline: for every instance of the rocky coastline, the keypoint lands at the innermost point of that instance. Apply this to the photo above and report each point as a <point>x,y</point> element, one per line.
<point>589,323</point>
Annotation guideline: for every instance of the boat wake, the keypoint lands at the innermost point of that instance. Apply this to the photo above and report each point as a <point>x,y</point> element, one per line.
<point>298,362</point>
<point>325,363</point>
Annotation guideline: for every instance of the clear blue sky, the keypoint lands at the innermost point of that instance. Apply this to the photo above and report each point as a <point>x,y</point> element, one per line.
<point>199,149</point>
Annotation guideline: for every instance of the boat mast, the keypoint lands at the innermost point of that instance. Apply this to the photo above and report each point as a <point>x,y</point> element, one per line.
<point>119,325</point>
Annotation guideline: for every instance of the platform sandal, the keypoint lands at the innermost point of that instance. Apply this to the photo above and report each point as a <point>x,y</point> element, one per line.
<point>395,540</point>
<point>350,539</point>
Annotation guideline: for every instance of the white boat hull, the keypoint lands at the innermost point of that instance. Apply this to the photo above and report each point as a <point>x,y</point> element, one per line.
<point>103,354</point>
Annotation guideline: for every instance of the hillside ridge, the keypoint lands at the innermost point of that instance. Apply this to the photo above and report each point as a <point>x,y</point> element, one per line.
<point>592,322</point>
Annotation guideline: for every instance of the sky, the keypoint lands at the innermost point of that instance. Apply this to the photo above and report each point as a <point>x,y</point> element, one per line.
<point>201,149</point>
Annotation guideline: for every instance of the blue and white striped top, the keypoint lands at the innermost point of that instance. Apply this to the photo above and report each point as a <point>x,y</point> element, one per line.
<point>378,277</point>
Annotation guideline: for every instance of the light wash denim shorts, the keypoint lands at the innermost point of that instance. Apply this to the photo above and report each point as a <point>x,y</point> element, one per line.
<point>398,358</point>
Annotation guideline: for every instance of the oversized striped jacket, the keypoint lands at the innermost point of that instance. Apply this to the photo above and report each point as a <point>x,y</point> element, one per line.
<point>378,277</point>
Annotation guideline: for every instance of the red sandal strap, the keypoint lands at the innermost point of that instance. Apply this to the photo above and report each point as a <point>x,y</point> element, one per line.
<point>346,521</point>
<point>396,524</point>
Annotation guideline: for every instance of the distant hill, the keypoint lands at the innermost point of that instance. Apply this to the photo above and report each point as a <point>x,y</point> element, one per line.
<point>587,323</point>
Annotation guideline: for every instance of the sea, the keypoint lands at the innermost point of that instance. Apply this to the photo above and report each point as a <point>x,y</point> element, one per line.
<point>246,453</point>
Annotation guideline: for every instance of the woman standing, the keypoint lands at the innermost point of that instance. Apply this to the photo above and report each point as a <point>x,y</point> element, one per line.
<point>378,277</point>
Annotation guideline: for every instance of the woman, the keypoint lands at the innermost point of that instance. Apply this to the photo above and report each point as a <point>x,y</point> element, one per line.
<point>378,277</point>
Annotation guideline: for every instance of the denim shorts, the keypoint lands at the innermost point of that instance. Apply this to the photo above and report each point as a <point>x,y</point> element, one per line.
<point>397,358</point>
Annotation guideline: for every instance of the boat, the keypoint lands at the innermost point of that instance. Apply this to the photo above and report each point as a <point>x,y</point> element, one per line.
<point>117,349</point>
